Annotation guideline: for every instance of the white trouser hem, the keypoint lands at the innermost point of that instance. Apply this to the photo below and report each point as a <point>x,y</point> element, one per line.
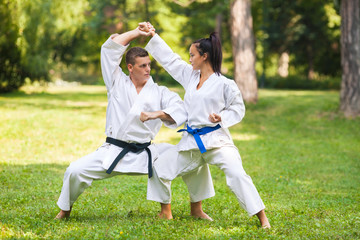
<point>257,211</point>
<point>63,206</point>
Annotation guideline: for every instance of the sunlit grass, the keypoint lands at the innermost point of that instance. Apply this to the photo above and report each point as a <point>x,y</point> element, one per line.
<point>302,154</point>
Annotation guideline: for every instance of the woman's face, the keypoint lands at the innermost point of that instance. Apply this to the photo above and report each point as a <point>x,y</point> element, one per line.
<point>196,59</point>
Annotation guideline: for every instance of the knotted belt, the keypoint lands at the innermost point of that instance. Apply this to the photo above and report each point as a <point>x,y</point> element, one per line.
<point>196,132</point>
<point>129,147</point>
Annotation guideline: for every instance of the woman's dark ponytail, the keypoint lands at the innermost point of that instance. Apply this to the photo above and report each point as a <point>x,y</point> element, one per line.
<point>216,56</point>
<point>211,46</point>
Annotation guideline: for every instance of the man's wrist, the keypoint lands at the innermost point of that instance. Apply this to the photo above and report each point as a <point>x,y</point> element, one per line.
<point>136,32</point>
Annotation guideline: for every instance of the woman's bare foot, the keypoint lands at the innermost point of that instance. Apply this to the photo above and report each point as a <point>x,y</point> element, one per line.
<point>263,219</point>
<point>165,211</point>
<point>197,212</point>
<point>63,214</point>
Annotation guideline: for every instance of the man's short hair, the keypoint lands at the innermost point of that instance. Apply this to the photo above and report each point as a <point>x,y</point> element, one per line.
<point>134,53</point>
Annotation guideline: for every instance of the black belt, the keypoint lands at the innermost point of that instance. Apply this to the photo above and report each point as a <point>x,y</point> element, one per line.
<point>129,147</point>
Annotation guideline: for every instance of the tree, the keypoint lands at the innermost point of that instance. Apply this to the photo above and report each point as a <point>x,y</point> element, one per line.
<point>243,49</point>
<point>308,31</point>
<point>200,18</point>
<point>11,74</point>
<point>350,58</point>
<point>30,34</point>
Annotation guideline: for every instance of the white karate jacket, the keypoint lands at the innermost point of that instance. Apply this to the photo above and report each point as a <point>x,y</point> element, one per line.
<point>124,108</point>
<point>217,95</point>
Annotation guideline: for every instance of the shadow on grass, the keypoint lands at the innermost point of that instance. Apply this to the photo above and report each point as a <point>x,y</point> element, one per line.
<point>77,101</point>
<point>74,95</point>
<point>33,189</point>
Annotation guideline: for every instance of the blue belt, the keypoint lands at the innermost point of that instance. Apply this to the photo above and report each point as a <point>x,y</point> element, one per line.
<point>196,132</point>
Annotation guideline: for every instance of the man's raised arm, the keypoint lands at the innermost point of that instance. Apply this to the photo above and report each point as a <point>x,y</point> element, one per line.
<point>125,38</point>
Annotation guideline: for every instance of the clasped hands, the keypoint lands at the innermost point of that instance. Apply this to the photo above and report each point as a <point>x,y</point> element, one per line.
<point>146,29</point>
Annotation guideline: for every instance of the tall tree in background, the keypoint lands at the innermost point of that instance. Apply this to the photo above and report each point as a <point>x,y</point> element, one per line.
<point>306,31</point>
<point>11,74</point>
<point>350,58</point>
<point>243,49</point>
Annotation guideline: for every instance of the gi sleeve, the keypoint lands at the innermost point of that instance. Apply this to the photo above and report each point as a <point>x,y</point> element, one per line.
<point>170,61</point>
<point>172,104</point>
<point>111,55</point>
<point>234,110</point>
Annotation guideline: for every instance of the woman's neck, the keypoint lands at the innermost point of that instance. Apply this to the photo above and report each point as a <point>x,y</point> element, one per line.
<point>205,73</point>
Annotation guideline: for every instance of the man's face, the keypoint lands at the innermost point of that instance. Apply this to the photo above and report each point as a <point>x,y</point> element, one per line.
<point>141,69</point>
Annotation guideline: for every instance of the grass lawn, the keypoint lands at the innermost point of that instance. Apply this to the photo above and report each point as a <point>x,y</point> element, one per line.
<point>302,155</point>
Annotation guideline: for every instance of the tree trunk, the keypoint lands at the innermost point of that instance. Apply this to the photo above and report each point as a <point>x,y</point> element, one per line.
<point>311,72</point>
<point>147,13</point>
<point>350,58</point>
<point>283,68</point>
<point>219,19</point>
<point>243,49</point>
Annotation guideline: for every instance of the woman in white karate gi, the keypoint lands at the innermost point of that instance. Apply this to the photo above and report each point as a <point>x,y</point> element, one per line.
<point>213,104</point>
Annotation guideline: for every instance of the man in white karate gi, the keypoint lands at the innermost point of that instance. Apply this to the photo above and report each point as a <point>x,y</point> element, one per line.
<point>132,101</point>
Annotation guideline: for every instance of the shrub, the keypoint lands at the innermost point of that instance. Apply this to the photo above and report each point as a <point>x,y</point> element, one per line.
<point>301,82</point>
<point>11,74</point>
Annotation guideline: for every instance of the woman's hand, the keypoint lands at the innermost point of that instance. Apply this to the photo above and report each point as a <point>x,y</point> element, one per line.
<point>214,118</point>
<point>150,27</point>
<point>147,28</point>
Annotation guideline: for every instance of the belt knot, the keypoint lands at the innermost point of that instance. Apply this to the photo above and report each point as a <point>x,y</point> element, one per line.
<point>129,147</point>
<point>196,132</point>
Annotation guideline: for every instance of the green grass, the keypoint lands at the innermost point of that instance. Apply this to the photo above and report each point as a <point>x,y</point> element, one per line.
<point>302,155</point>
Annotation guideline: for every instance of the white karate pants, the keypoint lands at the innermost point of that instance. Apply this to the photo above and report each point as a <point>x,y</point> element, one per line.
<point>227,158</point>
<point>81,173</point>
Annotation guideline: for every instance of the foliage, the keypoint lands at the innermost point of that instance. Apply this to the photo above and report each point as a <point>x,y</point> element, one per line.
<point>36,29</point>
<point>200,21</point>
<point>308,30</point>
<point>116,16</point>
<point>302,155</point>
<point>11,74</point>
<point>298,82</point>
<point>56,38</point>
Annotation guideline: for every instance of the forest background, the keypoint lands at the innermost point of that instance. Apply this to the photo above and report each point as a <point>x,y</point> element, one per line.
<point>297,43</point>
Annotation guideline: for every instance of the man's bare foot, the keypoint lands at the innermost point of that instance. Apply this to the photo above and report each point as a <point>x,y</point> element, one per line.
<point>265,226</point>
<point>202,215</point>
<point>197,212</point>
<point>165,211</point>
<point>165,216</point>
<point>263,219</point>
<point>63,214</point>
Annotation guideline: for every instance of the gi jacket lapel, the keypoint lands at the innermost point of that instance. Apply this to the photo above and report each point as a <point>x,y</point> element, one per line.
<point>141,102</point>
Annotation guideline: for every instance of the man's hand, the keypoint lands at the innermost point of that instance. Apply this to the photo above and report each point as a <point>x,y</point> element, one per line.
<point>145,116</point>
<point>142,31</point>
<point>214,118</point>
<point>125,38</point>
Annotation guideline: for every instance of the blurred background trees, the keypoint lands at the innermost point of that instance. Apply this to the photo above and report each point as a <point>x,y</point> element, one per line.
<point>296,44</point>
<point>11,73</point>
